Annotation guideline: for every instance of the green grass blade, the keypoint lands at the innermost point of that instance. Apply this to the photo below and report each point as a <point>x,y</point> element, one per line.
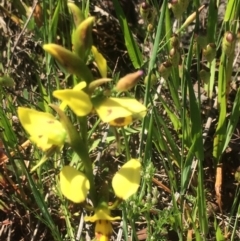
<point>41,204</point>
<point>132,47</point>
<point>233,120</point>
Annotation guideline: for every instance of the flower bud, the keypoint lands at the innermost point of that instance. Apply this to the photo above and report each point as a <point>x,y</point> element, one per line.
<point>152,80</point>
<point>174,57</point>
<point>38,15</point>
<point>145,10</point>
<point>174,41</point>
<point>129,81</point>
<point>228,43</point>
<point>82,38</point>
<point>150,28</point>
<point>237,175</point>
<point>165,69</point>
<point>70,61</point>
<point>78,15</point>
<point>192,17</point>
<point>210,52</point>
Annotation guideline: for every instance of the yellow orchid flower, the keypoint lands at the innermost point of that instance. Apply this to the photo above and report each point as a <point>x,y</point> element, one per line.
<point>43,128</point>
<point>120,111</point>
<point>103,219</point>
<point>115,111</point>
<point>125,183</point>
<point>74,184</point>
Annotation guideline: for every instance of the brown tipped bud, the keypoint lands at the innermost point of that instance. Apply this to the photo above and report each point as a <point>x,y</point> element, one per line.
<point>210,52</point>
<point>165,69</point>
<point>38,15</point>
<point>82,38</point>
<point>174,57</point>
<point>174,41</point>
<point>147,12</point>
<point>78,15</point>
<point>96,83</point>
<point>70,61</point>
<point>204,76</point>
<point>152,80</point>
<point>144,10</point>
<point>129,81</point>
<point>228,43</point>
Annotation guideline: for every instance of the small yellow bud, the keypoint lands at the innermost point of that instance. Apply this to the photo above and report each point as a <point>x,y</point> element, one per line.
<point>228,43</point>
<point>150,28</point>
<point>152,80</point>
<point>165,69</point>
<point>237,175</point>
<point>174,57</point>
<point>210,52</point>
<point>174,41</point>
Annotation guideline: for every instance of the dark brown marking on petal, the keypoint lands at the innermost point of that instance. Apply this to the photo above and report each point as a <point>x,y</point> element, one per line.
<point>50,121</point>
<point>109,112</point>
<point>119,120</point>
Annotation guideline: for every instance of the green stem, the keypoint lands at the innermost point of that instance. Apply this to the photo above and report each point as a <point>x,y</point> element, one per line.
<point>80,147</point>
<point>126,144</point>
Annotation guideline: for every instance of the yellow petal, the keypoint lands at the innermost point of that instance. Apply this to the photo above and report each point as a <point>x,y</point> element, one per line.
<point>41,142</point>
<point>101,62</point>
<point>43,128</point>
<point>120,111</point>
<point>74,184</point>
<point>79,86</point>
<point>77,100</point>
<point>126,181</point>
<point>101,213</point>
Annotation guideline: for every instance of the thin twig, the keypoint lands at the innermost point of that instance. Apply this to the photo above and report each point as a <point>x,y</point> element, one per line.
<point>22,32</point>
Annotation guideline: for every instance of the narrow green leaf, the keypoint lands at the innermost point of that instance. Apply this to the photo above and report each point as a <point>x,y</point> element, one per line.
<point>132,47</point>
